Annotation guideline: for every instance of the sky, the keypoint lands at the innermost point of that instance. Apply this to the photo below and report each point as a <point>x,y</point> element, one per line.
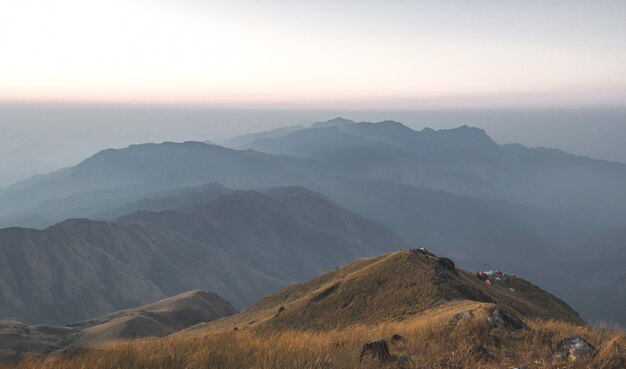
<point>395,54</point>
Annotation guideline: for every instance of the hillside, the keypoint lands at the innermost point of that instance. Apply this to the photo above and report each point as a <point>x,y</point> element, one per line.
<point>242,245</point>
<point>393,287</point>
<point>419,314</point>
<point>158,319</point>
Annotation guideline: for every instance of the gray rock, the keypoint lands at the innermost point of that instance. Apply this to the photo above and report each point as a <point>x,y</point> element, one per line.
<point>506,320</point>
<point>377,350</point>
<point>574,348</point>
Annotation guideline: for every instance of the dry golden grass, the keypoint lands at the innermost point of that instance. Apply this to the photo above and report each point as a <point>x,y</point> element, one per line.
<point>430,341</point>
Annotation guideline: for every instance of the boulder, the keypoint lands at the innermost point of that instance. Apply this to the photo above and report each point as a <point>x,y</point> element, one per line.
<point>574,348</point>
<point>377,350</point>
<point>506,320</point>
<point>446,263</point>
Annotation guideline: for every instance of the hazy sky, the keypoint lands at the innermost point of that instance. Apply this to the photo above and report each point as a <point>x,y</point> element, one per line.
<point>323,53</point>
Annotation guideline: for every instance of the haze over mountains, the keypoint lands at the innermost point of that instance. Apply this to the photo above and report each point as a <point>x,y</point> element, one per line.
<point>510,207</point>
<point>242,245</point>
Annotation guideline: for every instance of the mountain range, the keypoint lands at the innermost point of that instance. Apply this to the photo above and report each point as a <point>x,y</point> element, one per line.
<point>242,244</point>
<point>488,206</point>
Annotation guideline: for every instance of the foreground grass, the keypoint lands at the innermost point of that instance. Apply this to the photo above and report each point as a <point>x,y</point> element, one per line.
<point>430,343</point>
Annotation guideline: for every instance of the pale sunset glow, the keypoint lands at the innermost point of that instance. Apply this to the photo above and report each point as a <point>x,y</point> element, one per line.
<point>393,53</point>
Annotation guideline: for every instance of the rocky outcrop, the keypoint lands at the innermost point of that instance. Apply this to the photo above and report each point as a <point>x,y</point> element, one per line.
<point>504,319</point>
<point>574,348</point>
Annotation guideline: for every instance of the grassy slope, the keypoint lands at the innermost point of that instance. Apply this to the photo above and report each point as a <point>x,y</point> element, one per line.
<point>430,341</point>
<point>389,287</point>
<point>324,326</point>
<point>154,320</point>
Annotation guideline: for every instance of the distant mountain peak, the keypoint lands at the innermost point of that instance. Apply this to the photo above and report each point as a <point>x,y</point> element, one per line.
<point>466,135</point>
<point>388,121</point>
<point>335,122</point>
<point>466,128</point>
<point>242,140</point>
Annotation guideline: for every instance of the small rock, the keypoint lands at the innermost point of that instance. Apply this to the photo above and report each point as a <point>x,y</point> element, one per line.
<point>462,315</point>
<point>236,329</point>
<point>377,350</point>
<point>396,338</point>
<point>574,348</point>
<point>506,320</point>
<point>446,263</point>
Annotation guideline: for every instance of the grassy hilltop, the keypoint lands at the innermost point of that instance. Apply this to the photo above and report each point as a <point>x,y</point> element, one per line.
<point>429,315</point>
